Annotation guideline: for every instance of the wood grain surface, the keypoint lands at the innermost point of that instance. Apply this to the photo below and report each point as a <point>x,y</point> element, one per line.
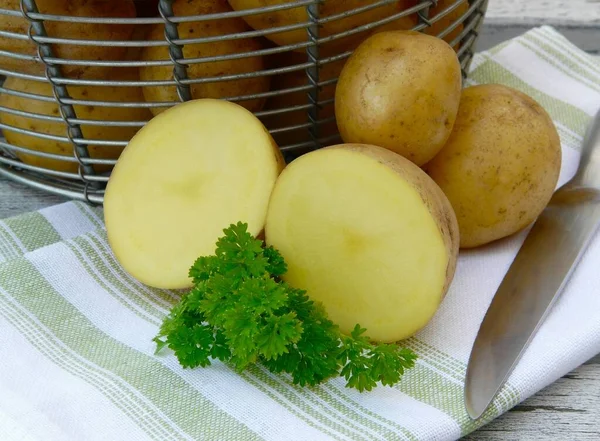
<point>580,13</point>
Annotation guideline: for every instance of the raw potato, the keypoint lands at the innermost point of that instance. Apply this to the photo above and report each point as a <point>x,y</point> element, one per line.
<point>445,22</point>
<point>368,234</point>
<point>100,113</point>
<point>500,165</point>
<point>147,8</point>
<point>82,31</point>
<point>328,8</point>
<point>217,89</point>
<point>400,90</point>
<point>295,79</point>
<point>328,71</point>
<point>188,174</point>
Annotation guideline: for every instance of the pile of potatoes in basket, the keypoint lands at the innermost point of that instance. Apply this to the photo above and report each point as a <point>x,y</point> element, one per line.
<point>371,227</point>
<point>168,94</point>
<point>400,90</point>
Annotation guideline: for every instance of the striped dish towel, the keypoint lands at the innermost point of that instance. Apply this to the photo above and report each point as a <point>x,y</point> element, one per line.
<point>76,331</point>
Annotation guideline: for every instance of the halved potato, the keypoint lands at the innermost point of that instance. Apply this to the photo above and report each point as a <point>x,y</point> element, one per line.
<point>189,173</point>
<point>368,234</point>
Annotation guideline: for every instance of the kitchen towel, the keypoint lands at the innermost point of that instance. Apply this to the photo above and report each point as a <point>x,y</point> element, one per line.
<point>76,331</point>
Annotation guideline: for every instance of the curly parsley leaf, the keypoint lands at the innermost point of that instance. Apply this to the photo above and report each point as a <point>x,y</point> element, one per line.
<point>241,312</point>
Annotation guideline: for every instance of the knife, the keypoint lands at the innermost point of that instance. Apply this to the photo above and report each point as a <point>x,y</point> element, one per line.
<point>536,278</point>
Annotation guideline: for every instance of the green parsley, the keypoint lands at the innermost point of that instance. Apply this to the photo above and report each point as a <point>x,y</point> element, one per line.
<point>241,312</point>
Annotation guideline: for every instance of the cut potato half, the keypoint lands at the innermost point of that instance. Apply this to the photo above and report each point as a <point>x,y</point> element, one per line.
<point>189,173</point>
<point>367,233</point>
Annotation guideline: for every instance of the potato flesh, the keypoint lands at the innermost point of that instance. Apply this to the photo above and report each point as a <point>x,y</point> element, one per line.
<point>187,175</point>
<point>359,239</point>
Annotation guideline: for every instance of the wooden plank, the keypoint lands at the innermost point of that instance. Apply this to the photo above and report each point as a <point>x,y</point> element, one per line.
<point>568,409</point>
<point>16,198</point>
<point>585,38</point>
<point>554,12</point>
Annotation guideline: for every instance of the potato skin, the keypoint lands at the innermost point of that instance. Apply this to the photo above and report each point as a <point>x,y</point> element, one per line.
<point>218,89</point>
<point>295,79</point>
<point>327,8</point>
<point>400,90</point>
<point>442,24</point>
<point>432,195</point>
<point>501,164</point>
<point>84,112</point>
<point>84,31</point>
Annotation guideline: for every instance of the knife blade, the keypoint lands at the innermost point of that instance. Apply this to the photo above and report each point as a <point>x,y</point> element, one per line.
<point>536,278</point>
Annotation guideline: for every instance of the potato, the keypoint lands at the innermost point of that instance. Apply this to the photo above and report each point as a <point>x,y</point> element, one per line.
<point>366,233</point>
<point>217,89</point>
<point>295,79</point>
<point>83,31</point>
<point>147,8</point>
<point>329,8</point>
<point>101,113</point>
<point>399,90</point>
<point>501,164</point>
<point>189,173</point>
<point>442,24</point>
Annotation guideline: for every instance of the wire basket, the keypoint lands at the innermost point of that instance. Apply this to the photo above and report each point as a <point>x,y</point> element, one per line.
<point>80,79</point>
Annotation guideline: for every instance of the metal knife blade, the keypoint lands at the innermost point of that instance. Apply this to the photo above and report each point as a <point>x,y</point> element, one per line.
<point>535,279</point>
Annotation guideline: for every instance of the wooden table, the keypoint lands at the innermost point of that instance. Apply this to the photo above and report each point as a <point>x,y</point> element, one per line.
<point>569,409</point>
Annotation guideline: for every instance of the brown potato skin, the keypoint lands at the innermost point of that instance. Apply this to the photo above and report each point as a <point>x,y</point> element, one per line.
<point>439,26</point>
<point>432,195</point>
<point>83,112</point>
<point>400,90</point>
<point>501,164</point>
<point>84,31</point>
<point>295,79</point>
<point>327,8</point>
<point>147,8</point>
<point>219,89</point>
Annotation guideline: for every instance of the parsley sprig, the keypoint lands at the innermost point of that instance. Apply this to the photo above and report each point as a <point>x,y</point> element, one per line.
<point>241,312</point>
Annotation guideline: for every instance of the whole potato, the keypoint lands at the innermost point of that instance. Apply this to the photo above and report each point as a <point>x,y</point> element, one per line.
<point>217,89</point>
<point>326,9</point>
<point>501,164</point>
<point>288,80</point>
<point>100,132</point>
<point>147,8</point>
<point>399,90</point>
<point>58,29</point>
<point>440,25</point>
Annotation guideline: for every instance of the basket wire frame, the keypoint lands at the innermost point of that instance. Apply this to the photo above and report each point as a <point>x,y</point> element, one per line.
<point>87,184</point>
